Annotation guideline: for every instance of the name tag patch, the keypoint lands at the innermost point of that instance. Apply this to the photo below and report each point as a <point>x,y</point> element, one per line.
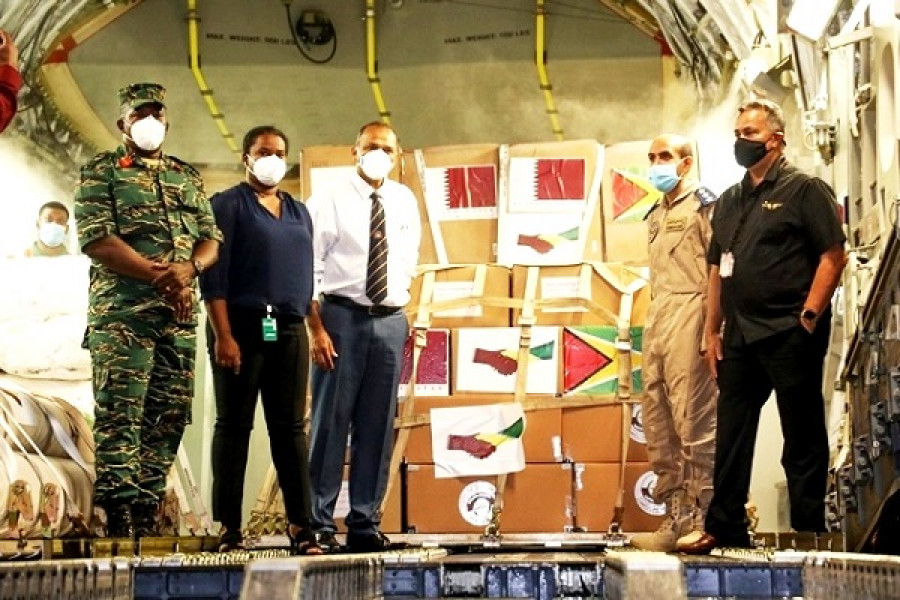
<point>676,224</point>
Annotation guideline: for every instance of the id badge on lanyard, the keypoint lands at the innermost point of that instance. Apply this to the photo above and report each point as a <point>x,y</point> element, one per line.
<point>269,326</point>
<point>726,260</point>
<point>726,265</point>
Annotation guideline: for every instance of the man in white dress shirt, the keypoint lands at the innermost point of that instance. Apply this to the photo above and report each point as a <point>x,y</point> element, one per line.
<point>366,234</point>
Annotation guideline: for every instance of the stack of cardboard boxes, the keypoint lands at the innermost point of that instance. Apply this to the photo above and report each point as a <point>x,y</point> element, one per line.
<point>513,244</point>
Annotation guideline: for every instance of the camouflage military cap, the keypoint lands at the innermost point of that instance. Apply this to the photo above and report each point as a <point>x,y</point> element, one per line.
<point>137,94</point>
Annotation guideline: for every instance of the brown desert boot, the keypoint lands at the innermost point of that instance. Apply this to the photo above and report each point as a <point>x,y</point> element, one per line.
<point>696,542</point>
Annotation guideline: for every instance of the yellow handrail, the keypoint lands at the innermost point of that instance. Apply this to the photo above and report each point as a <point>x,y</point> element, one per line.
<point>540,59</point>
<point>372,63</point>
<point>194,58</point>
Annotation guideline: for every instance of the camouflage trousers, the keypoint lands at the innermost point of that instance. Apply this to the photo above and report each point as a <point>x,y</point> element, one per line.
<point>143,379</point>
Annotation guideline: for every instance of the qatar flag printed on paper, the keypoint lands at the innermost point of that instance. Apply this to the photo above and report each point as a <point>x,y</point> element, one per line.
<point>433,376</point>
<point>546,184</point>
<point>462,192</point>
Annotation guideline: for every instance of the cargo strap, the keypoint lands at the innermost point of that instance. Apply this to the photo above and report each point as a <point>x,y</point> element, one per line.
<point>10,426</point>
<point>624,345</point>
<point>624,348</point>
<point>408,410</point>
<point>583,300</point>
<point>526,320</point>
<point>532,404</point>
<point>492,531</point>
<point>427,306</point>
<point>593,199</point>
<point>420,331</point>
<point>261,521</point>
<point>191,506</point>
<point>434,224</point>
<point>59,431</point>
<point>68,444</point>
<point>615,524</point>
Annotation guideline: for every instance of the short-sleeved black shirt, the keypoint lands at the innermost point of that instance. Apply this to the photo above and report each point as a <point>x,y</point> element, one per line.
<point>789,220</point>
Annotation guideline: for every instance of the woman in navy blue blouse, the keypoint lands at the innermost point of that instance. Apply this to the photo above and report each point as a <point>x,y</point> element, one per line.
<point>257,296</point>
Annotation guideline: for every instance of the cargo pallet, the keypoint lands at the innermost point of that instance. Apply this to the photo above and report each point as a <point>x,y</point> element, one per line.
<point>563,566</point>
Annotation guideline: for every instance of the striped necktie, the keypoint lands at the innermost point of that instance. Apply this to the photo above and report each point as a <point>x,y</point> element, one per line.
<point>376,273</point>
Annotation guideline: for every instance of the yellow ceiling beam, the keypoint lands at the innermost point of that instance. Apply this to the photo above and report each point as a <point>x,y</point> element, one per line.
<point>58,84</point>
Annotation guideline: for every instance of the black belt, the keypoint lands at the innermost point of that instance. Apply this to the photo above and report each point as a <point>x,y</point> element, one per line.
<point>374,310</point>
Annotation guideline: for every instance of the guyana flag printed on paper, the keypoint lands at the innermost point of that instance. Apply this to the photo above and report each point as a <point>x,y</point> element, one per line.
<point>591,360</point>
<point>633,196</point>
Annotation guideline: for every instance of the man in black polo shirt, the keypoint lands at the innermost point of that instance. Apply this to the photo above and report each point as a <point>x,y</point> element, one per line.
<point>776,256</point>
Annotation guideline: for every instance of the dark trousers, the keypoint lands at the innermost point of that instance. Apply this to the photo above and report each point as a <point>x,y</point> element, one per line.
<point>360,397</point>
<point>789,362</point>
<point>277,371</point>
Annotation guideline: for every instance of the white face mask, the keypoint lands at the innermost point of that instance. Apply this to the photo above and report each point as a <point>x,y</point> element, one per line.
<point>376,164</point>
<point>52,234</point>
<point>268,170</point>
<point>148,133</point>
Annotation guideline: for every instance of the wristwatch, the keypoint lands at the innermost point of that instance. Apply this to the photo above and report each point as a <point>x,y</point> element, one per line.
<point>808,314</point>
<point>198,266</point>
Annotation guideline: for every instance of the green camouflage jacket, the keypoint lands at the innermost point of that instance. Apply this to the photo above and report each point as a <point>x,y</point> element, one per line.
<point>160,211</point>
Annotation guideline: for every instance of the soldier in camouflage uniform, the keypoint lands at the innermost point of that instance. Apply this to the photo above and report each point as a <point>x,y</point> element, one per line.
<point>145,221</point>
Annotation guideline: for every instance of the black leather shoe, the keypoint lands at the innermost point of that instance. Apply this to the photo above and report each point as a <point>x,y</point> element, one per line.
<point>328,542</point>
<point>144,518</point>
<point>368,542</point>
<point>230,540</point>
<point>119,523</point>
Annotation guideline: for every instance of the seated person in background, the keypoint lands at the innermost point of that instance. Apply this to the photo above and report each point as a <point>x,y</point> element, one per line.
<point>52,231</point>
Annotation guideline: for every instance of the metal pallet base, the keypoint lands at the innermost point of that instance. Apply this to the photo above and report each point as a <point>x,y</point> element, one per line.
<point>545,542</point>
<point>462,567</point>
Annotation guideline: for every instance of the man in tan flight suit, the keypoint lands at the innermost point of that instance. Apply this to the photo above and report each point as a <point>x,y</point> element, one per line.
<point>679,404</point>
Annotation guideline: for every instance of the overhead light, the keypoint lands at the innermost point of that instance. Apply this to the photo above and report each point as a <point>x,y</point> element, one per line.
<point>761,59</point>
<point>810,18</point>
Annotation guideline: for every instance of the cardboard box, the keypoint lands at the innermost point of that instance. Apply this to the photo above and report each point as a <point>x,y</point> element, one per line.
<point>550,188</point>
<point>320,165</point>
<point>602,284</point>
<point>542,438</point>
<point>536,500</point>
<point>433,375</point>
<point>485,359</point>
<point>596,488</point>
<point>594,433</point>
<point>627,197</point>
<point>457,188</point>
<point>593,363</point>
<point>390,520</point>
<point>462,281</point>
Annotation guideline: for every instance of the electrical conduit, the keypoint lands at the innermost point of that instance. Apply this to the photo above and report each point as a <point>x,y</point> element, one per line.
<point>194,60</point>
<point>372,63</point>
<point>540,59</point>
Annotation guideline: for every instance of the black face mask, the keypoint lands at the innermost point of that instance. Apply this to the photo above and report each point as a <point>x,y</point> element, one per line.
<point>748,152</point>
